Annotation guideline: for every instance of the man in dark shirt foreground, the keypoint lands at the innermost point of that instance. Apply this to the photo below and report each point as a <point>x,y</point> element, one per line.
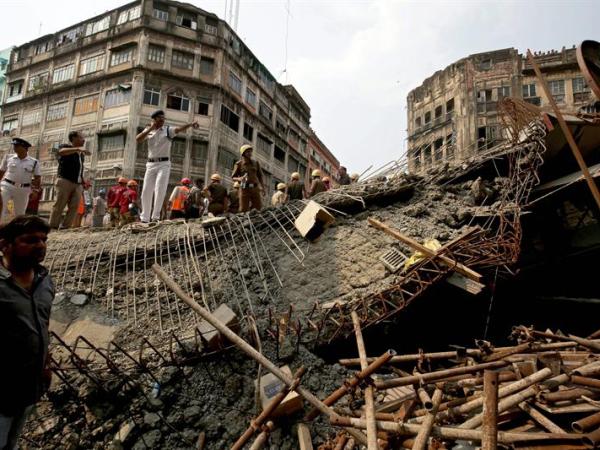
<point>26,295</point>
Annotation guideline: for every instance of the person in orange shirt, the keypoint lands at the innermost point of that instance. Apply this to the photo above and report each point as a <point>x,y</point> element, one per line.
<point>85,205</point>
<point>178,198</point>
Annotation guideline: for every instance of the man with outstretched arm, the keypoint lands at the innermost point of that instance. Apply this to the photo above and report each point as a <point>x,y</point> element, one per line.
<point>158,166</point>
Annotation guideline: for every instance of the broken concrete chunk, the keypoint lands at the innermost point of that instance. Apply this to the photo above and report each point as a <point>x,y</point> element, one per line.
<point>125,431</point>
<point>79,299</point>
<point>270,386</point>
<point>313,221</point>
<point>210,336</point>
<point>151,419</point>
<point>59,298</point>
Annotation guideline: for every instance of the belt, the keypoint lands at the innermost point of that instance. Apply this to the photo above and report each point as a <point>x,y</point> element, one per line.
<point>250,186</point>
<point>22,185</point>
<point>158,159</point>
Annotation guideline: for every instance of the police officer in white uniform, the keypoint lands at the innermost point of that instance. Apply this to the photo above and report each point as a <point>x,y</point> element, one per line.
<point>19,173</point>
<point>158,167</point>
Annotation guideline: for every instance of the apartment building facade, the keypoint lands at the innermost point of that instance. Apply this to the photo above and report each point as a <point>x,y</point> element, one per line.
<point>320,157</point>
<point>454,115</point>
<point>106,75</point>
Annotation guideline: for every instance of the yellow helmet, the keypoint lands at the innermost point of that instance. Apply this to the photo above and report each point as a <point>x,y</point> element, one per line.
<point>354,176</point>
<point>236,185</point>
<point>215,177</point>
<point>280,186</point>
<point>245,147</point>
<point>316,173</point>
<point>295,176</point>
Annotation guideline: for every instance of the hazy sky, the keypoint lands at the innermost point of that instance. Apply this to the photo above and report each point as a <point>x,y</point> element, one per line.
<point>354,61</point>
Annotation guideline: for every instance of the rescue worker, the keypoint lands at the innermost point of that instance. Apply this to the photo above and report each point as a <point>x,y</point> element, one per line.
<point>99,209</point>
<point>195,201</point>
<point>158,166</point>
<point>295,189</point>
<point>327,182</point>
<point>85,206</point>
<point>317,184</point>
<point>128,202</point>
<point>248,173</point>
<point>178,199</point>
<point>218,199</point>
<point>18,172</point>
<point>69,183</point>
<point>112,200</point>
<point>234,198</point>
<point>26,296</point>
<point>343,178</point>
<point>278,198</point>
<point>354,178</point>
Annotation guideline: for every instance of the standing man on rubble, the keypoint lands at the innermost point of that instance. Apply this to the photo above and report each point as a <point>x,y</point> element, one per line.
<point>234,198</point>
<point>18,172</point>
<point>26,296</point>
<point>158,166</point>
<point>248,173</point>
<point>112,200</point>
<point>99,209</point>
<point>317,184</point>
<point>278,198</point>
<point>295,188</point>
<point>129,205</point>
<point>178,199</point>
<point>343,178</point>
<point>194,205</point>
<point>218,199</point>
<point>69,183</point>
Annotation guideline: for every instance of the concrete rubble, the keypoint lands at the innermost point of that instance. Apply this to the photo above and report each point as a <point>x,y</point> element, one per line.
<point>151,373</point>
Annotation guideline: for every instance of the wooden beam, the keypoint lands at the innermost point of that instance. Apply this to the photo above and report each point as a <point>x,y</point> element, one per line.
<point>456,266</point>
<point>304,439</point>
<point>565,129</point>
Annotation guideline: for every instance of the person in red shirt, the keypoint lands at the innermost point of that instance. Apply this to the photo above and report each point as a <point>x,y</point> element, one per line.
<point>128,203</point>
<point>112,200</point>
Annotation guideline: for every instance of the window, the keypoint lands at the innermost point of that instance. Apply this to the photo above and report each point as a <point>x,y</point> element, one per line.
<point>416,157</point>
<point>85,105</point>
<point>63,73</point>
<point>182,60</point>
<point>450,106</point>
<point>418,123</point>
<point>202,105</point>
<point>503,91</point>
<point>69,36</point>
<point>229,118</point>
<point>265,111</point>
<point>279,154</point>
<point>486,64</point>
<point>248,132</point>
<point>32,118</point>
<point>178,102</point>
<point>118,57</point>
<point>156,54</point>
<point>91,65</point>
<point>178,151</point>
<point>10,123</point>
<point>427,117</point>
<point>151,96</point>
<point>210,26</point>
<point>250,97</point>
<point>57,111</point>
<point>97,27</point>
<point>43,47</point>
<point>450,146</point>
<point>280,126</point>
<point>528,90</point>
<point>427,155</point>
<point>111,146</point>
<point>160,14</point>
<point>235,83</point>
<point>579,85</point>
<point>263,144</point>
<point>129,14</point>
<point>438,112</point>
<point>199,153</point>
<point>117,97</point>
<point>38,81</point>
<point>15,88</point>
<point>186,20</point>
<point>293,164</point>
<point>484,95</point>
<point>207,65</point>
<point>437,149</point>
<point>557,89</point>
<point>226,159</point>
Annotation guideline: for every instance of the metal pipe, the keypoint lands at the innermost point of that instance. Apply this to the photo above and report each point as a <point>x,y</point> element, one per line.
<point>585,381</point>
<point>489,440</point>
<point>438,375</point>
<point>540,418</point>
<point>248,349</point>
<point>415,357</point>
<point>425,431</point>
<point>566,394</point>
<point>369,400</point>
<point>261,440</point>
<point>425,399</point>
<point>582,425</point>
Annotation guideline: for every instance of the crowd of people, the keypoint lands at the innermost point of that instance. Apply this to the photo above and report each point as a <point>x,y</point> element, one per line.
<point>122,204</point>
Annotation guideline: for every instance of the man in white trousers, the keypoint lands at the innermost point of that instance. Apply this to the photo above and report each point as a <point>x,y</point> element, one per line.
<point>158,167</point>
<point>19,172</point>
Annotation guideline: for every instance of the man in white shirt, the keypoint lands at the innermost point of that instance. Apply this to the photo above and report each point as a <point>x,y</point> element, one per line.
<point>19,173</point>
<point>158,167</point>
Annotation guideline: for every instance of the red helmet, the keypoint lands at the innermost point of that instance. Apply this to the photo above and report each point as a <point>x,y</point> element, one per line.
<point>186,181</point>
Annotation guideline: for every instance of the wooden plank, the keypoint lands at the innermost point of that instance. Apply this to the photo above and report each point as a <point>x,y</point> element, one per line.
<point>304,439</point>
<point>464,283</point>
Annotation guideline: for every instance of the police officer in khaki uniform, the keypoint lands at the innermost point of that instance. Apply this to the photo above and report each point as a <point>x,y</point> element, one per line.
<point>248,173</point>
<point>218,199</point>
<point>19,172</point>
<point>295,189</point>
<point>317,184</point>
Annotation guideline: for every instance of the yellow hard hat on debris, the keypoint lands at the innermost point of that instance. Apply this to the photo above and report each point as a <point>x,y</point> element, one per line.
<point>316,173</point>
<point>245,147</point>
